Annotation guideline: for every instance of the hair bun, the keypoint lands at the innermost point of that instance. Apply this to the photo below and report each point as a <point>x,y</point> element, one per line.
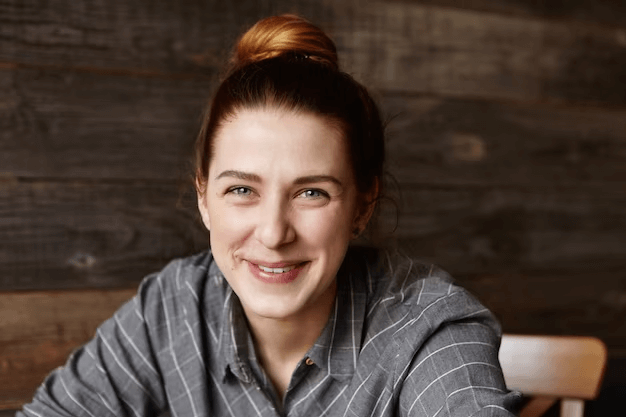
<point>282,35</point>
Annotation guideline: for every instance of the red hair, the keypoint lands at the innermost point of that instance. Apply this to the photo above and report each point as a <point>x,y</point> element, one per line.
<point>279,35</point>
<point>289,63</point>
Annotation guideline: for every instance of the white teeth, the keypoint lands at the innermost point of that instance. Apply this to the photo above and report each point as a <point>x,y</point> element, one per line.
<point>277,270</point>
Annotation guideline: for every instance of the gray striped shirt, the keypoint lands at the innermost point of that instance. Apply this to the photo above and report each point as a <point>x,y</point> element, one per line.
<point>402,340</point>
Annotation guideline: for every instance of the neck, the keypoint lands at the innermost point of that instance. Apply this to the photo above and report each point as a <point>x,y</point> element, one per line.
<point>281,343</point>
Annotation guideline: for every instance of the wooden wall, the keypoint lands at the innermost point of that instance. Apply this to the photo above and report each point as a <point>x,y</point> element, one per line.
<point>507,137</point>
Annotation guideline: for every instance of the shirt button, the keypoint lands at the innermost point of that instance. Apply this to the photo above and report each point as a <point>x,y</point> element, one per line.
<point>309,361</point>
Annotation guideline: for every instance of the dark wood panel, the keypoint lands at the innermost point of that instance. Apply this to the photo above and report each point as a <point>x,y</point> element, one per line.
<point>38,331</point>
<point>64,124</point>
<point>189,38</point>
<point>137,35</point>
<point>78,235</point>
<point>396,46</point>
<point>473,230</point>
<point>482,143</point>
<point>592,11</point>
<point>445,51</point>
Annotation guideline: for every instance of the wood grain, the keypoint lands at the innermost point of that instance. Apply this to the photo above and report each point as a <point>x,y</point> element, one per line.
<point>545,302</point>
<point>38,330</point>
<point>81,235</point>
<point>453,52</point>
<point>590,11</point>
<point>448,142</point>
<point>134,35</point>
<point>64,124</point>
<point>482,230</point>
<point>395,46</point>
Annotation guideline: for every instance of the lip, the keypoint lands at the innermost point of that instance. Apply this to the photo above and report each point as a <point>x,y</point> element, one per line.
<point>274,264</point>
<point>271,278</point>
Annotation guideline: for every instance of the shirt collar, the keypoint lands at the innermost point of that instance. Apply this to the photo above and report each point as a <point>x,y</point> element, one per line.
<point>336,350</point>
<point>234,342</point>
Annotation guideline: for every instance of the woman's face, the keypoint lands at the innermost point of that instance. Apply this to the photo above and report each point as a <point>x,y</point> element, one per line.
<point>280,203</point>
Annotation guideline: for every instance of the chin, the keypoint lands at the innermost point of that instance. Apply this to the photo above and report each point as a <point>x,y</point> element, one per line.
<point>272,309</point>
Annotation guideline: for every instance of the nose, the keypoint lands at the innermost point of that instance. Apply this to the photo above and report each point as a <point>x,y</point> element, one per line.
<point>274,227</point>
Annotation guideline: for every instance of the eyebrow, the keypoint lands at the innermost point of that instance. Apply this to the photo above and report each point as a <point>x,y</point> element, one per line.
<point>239,175</point>
<point>309,179</point>
<point>317,178</point>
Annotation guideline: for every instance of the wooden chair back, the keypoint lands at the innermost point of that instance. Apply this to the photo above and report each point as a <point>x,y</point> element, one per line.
<point>553,368</point>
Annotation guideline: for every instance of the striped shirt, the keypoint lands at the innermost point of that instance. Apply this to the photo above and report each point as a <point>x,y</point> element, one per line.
<point>402,340</point>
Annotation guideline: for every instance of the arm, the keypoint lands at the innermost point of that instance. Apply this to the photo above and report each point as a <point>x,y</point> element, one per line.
<point>114,374</point>
<point>456,372</point>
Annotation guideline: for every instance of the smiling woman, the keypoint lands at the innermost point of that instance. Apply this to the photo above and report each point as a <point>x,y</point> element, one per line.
<point>282,316</point>
<point>284,225</point>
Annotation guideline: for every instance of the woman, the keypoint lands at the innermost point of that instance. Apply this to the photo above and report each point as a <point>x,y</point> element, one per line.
<point>281,317</point>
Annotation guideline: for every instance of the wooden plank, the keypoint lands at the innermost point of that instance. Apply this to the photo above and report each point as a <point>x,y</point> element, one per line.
<point>77,235</point>
<point>442,51</point>
<point>591,11</point>
<point>390,45</point>
<point>553,366</point>
<point>448,142</point>
<point>60,124</point>
<point>38,331</point>
<point>142,37</point>
<point>482,230</point>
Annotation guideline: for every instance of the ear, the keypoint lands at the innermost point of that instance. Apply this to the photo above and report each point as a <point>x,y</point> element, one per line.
<point>201,193</point>
<point>368,204</point>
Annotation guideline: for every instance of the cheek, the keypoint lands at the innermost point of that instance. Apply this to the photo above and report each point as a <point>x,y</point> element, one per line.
<point>228,224</point>
<point>331,226</point>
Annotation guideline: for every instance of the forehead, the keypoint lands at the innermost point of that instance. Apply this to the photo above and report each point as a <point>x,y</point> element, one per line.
<point>259,140</point>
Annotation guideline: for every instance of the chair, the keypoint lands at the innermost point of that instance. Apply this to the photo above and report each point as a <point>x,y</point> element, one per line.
<point>549,368</point>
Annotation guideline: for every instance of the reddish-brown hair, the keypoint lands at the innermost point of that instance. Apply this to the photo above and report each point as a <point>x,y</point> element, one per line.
<point>289,63</point>
<point>279,35</point>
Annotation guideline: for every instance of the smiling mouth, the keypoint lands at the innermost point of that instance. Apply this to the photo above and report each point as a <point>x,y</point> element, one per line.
<point>276,270</point>
<point>278,273</point>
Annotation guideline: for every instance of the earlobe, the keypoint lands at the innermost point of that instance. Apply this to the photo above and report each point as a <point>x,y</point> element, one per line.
<point>366,211</point>
<point>361,221</point>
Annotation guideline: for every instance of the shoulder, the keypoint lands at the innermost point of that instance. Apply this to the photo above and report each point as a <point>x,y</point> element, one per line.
<point>419,296</point>
<point>182,282</point>
<point>400,278</point>
<point>182,292</point>
<point>180,273</point>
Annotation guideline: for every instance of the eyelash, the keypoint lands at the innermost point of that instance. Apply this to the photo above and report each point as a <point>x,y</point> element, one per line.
<point>321,193</point>
<point>246,192</point>
<point>237,190</point>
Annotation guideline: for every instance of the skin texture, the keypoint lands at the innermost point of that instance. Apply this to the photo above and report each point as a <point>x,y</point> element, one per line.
<point>281,193</point>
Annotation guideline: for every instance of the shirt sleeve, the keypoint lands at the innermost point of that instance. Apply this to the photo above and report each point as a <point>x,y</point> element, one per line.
<point>456,371</point>
<point>115,374</point>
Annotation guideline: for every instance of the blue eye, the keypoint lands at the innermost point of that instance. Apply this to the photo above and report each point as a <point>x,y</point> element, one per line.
<point>313,194</point>
<point>243,191</point>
